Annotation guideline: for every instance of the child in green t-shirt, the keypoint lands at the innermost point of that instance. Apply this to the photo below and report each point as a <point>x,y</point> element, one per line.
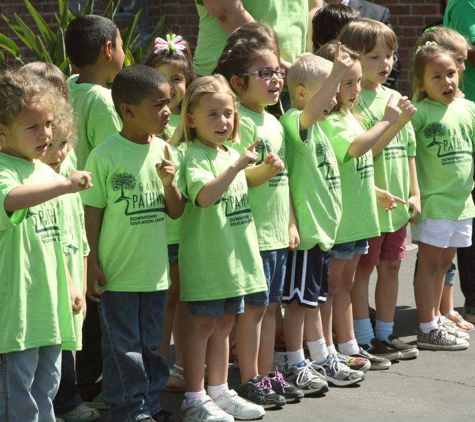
<point>94,47</point>
<point>352,145</point>
<point>316,196</point>
<point>394,171</point>
<point>172,58</point>
<point>445,133</point>
<point>35,301</point>
<point>126,228</point>
<point>219,254</point>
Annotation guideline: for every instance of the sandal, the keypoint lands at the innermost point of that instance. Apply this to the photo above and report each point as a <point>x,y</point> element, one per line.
<point>460,322</point>
<point>176,381</point>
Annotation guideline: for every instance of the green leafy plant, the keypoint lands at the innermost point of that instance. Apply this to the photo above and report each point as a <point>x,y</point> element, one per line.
<point>48,45</point>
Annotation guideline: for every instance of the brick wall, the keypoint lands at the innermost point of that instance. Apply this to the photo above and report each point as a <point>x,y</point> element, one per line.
<point>408,18</point>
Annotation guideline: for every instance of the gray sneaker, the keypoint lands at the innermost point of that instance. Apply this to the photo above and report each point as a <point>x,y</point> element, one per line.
<point>407,351</point>
<point>337,373</point>
<point>82,413</point>
<point>440,339</point>
<point>305,378</point>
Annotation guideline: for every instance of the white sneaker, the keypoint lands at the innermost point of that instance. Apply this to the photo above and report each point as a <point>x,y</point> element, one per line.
<point>82,413</point>
<point>203,410</point>
<point>240,408</point>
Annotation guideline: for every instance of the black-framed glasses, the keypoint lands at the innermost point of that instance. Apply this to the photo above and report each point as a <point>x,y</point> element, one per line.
<point>266,74</point>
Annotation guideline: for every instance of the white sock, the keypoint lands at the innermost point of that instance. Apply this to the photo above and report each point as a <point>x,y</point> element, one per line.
<point>215,391</point>
<point>318,350</point>
<point>192,396</point>
<point>427,327</point>
<point>295,357</point>
<point>349,348</point>
<point>332,350</point>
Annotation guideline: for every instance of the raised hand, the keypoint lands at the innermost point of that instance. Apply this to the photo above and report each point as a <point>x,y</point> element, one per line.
<point>341,62</point>
<point>249,156</point>
<point>166,169</point>
<point>79,181</point>
<point>275,162</point>
<point>407,110</point>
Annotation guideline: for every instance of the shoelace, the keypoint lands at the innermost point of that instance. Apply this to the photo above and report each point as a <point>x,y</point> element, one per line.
<point>279,378</point>
<point>264,384</point>
<point>305,374</point>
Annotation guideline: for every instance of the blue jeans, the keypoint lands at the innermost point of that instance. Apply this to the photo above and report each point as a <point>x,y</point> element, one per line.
<point>67,398</point>
<point>133,370</point>
<point>29,381</point>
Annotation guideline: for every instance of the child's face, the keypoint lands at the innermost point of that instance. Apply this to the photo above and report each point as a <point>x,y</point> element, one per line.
<point>312,87</point>
<point>441,79</point>
<point>213,119</point>
<point>151,115</point>
<point>377,65</point>
<point>30,135</point>
<point>118,56</point>
<point>461,56</point>
<point>350,87</point>
<point>56,153</point>
<point>262,92</point>
<point>177,81</point>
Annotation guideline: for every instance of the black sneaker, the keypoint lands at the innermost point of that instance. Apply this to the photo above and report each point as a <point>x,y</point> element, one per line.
<point>377,348</point>
<point>407,351</point>
<point>259,390</point>
<point>283,388</point>
<point>377,363</point>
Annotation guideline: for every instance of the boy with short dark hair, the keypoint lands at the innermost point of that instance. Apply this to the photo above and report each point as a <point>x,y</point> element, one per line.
<point>126,230</point>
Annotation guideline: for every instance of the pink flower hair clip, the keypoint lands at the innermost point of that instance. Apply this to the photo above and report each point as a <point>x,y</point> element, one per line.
<point>172,43</point>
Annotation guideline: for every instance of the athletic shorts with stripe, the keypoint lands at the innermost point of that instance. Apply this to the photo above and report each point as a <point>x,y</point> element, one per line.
<point>306,277</point>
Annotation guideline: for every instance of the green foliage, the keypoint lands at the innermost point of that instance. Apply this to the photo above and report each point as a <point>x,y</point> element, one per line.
<point>48,45</point>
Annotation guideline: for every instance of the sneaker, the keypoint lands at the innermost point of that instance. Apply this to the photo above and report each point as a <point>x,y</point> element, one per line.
<point>407,351</point>
<point>377,363</point>
<point>204,410</point>
<point>236,406</point>
<point>304,377</point>
<point>82,413</point>
<point>355,362</point>
<point>452,328</point>
<point>336,373</point>
<point>377,348</point>
<point>440,339</point>
<point>289,392</point>
<point>258,390</point>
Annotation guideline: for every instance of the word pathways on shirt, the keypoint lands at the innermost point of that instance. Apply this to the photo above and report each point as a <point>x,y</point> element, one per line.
<point>327,162</point>
<point>452,146</point>
<point>46,222</point>
<point>145,204</point>
<point>237,207</point>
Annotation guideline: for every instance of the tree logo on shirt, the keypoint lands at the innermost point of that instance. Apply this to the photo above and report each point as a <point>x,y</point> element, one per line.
<point>321,151</point>
<point>453,142</point>
<point>149,199</point>
<point>263,149</point>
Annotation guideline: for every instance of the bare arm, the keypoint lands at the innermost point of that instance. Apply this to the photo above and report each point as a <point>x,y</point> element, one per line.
<point>229,13</point>
<point>294,237</point>
<point>27,196</point>
<point>257,175</point>
<point>414,192</point>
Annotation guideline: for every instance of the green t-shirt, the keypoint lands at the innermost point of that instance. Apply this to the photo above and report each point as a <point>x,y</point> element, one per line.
<point>460,15</point>
<point>315,184</point>
<point>96,116</point>
<point>172,125</point>
<point>269,201</point>
<point>445,145</point>
<point>391,167</point>
<point>132,244</point>
<point>289,19</point>
<point>35,307</point>
<point>360,216</point>
<point>219,254</point>
<point>75,246</point>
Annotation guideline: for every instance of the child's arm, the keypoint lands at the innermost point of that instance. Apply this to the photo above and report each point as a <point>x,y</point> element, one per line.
<point>294,237</point>
<point>84,290</point>
<point>319,101</point>
<point>414,192</point>
<point>174,201</point>
<point>76,297</point>
<point>386,200</point>
<point>214,189</point>
<point>95,277</point>
<point>407,111</point>
<point>394,114</point>
<point>257,175</point>
<point>27,196</point>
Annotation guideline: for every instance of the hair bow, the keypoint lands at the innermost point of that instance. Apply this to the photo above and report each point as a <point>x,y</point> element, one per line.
<point>172,43</point>
<point>426,44</point>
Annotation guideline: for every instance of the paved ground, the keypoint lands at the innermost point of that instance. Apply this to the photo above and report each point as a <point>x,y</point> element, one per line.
<point>436,386</point>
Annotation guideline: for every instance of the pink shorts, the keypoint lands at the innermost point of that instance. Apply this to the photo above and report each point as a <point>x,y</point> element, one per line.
<point>386,247</point>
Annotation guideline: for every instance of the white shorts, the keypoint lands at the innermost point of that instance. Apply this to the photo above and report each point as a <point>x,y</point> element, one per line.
<point>443,233</point>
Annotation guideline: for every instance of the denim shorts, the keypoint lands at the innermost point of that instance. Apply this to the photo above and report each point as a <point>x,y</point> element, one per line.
<point>275,263</point>
<point>173,253</point>
<point>216,308</point>
<point>349,249</point>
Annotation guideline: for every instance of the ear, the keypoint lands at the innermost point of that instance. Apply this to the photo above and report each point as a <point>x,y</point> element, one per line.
<point>300,92</point>
<point>3,132</point>
<point>190,121</point>
<point>420,85</point>
<point>107,50</point>
<point>126,110</point>
<point>237,83</point>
